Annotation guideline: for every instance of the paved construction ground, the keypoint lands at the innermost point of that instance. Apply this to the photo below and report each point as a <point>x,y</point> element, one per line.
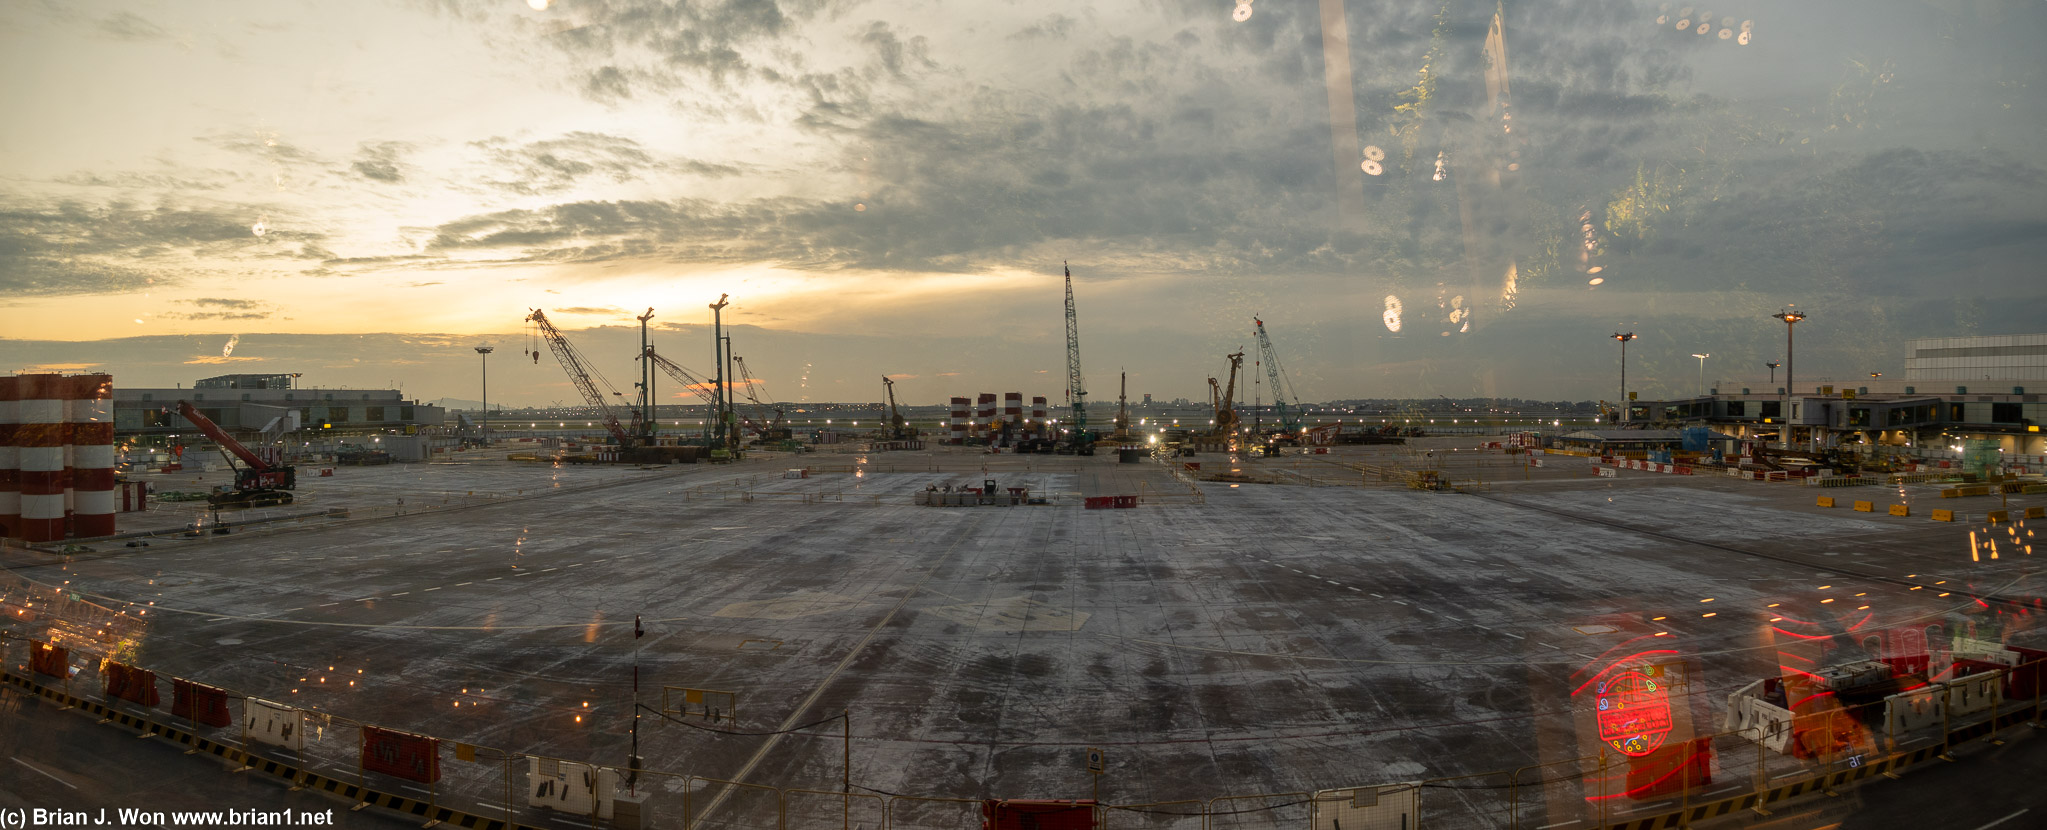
<point>1220,639</point>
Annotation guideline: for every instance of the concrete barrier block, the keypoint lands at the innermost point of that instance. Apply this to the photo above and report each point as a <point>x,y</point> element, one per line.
<point>1900,510</point>
<point>1864,507</point>
<point>1826,501</point>
<point>1943,515</point>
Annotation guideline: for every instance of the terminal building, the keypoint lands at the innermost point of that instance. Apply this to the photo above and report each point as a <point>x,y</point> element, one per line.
<point>1957,392</point>
<point>272,403</point>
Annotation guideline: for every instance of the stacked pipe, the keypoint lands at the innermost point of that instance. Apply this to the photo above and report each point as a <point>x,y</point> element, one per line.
<point>91,420</point>
<point>40,434</point>
<point>10,464</point>
<point>958,421</point>
<point>985,415</point>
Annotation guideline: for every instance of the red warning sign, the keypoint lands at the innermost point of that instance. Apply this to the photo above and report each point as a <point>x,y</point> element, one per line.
<point>1634,713</point>
<point>403,754</point>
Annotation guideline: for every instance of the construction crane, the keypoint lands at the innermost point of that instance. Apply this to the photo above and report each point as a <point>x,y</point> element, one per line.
<point>1123,406</point>
<point>770,428</point>
<point>259,483</point>
<point>573,363</point>
<point>1225,403</point>
<point>898,426</point>
<point>1076,393</point>
<point>689,380</point>
<point>1282,386</point>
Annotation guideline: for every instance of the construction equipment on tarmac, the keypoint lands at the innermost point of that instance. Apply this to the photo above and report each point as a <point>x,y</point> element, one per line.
<point>573,363</point>
<point>261,482</point>
<point>1225,401</point>
<point>1123,407</point>
<point>1282,386</point>
<point>898,429</point>
<point>1078,439</point>
<point>769,427</point>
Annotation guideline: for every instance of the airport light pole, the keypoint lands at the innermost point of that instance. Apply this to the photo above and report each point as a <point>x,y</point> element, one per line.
<point>1790,317</point>
<point>1702,371</point>
<point>1773,371</point>
<point>484,352</point>
<point>1623,338</point>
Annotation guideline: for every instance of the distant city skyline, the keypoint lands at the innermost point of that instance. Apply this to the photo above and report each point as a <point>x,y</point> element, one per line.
<point>1456,199</point>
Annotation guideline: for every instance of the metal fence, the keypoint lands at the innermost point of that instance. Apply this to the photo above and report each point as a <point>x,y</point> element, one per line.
<point>1739,769</point>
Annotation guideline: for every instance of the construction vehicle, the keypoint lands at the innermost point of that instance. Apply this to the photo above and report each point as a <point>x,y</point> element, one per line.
<point>1123,433</point>
<point>1225,401</point>
<point>767,427</point>
<point>260,482</point>
<point>572,362</point>
<point>1282,389</point>
<point>898,428</point>
<point>1078,439</point>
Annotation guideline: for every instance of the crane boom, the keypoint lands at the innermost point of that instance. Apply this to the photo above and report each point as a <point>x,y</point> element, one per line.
<point>1225,410</point>
<point>1282,386</point>
<point>1075,391</point>
<point>572,363</point>
<point>259,482</point>
<point>898,429</point>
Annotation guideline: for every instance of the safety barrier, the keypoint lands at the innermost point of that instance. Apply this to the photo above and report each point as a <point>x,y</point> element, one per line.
<point>1842,481</point>
<point>1826,501</point>
<point>476,787</point>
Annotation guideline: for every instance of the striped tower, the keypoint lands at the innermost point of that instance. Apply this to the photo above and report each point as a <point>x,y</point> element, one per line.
<point>1012,406</point>
<point>93,500</point>
<point>39,438</point>
<point>10,484</point>
<point>1038,412</point>
<point>958,422</point>
<point>985,414</point>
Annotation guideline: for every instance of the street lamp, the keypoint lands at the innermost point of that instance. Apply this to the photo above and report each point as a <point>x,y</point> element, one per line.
<point>485,351</point>
<point>1773,371</point>
<point>1790,317</point>
<point>1624,338</point>
<point>1702,371</point>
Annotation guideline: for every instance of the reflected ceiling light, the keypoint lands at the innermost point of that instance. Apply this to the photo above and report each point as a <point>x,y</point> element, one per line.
<point>1242,13</point>
<point>1373,152</point>
<point>1705,28</point>
<point>539,5</point>
<point>1743,38</point>
<point>1595,281</point>
<point>1684,24</point>
<point>1392,315</point>
<point>1595,269</point>
<point>1371,168</point>
<point>1726,33</point>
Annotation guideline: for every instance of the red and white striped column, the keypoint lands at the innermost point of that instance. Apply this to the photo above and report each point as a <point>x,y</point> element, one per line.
<point>985,413</point>
<point>91,411</point>
<point>958,421</point>
<point>10,464</point>
<point>1012,407</point>
<point>1038,412</point>
<point>39,439</point>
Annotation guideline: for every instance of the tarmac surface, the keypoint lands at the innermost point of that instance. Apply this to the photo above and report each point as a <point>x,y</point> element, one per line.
<point>1224,638</point>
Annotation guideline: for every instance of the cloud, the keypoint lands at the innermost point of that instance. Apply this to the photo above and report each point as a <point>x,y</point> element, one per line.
<point>557,164</point>
<point>591,310</point>
<point>129,26</point>
<point>378,160</point>
<point>73,247</point>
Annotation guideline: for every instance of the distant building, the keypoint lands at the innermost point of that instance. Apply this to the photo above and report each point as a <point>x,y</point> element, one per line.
<point>2003,357</point>
<point>250,404</point>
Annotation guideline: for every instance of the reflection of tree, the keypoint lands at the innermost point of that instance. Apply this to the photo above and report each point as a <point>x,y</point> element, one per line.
<point>1411,105</point>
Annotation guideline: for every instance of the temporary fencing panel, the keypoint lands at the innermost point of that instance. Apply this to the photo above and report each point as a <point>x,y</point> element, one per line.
<point>1907,711</point>
<point>199,703</point>
<point>50,660</point>
<point>1019,814</point>
<point>131,684</point>
<point>1389,807</point>
<point>274,723</point>
<point>403,754</point>
<point>571,787</point>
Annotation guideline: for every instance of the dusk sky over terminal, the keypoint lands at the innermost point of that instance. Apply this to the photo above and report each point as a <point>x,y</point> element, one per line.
<point>363,191</point>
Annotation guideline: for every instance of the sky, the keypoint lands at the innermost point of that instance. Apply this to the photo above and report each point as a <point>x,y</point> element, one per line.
<point>362,192</point>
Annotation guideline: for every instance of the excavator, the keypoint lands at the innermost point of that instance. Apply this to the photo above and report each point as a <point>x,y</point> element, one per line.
<point>258,483</point>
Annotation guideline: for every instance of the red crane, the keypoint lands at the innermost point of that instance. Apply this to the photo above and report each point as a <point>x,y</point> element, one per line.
<point>257,484</point>
<point>572,362</point>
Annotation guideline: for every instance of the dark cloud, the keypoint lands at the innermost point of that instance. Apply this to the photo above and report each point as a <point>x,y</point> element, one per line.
<point>79,248</point>
<point>1052,27</point>
<point>223,302</point>
<point>379,160</point>
<point>129,26</point>
<point>556,164</point>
